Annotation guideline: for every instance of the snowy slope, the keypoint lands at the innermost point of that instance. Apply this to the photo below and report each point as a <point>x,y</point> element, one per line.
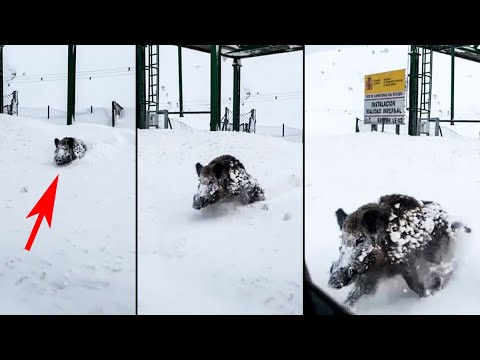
<point>223,259</point>
<point>347,170</point>
<point>84,264</point>
<point>99,115</point>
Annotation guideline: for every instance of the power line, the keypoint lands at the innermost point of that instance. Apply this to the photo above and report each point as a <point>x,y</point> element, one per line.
<point>64,78</point>
<point>79,75</point>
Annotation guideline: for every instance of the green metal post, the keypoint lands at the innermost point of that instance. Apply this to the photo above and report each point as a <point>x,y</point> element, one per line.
<point>413,92</point>
<point>215,82</point>
<point>236,94</point>
<point>452,92</point>
<point>180,79</point>
<point>72,55</point>
<point>1,79</point>
<point>140,87</point>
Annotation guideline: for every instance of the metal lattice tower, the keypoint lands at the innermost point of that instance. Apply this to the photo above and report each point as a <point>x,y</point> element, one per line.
<point>153,78</point>
<point>426,84</point>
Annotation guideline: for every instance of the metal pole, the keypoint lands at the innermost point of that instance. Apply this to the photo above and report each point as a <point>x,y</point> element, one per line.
<point>1,79</point>
<point>72,52</point>
<point>165,120</point>
<point>48,111</point>
<point>236,94</point>
<point>180,79</point>
<point>215,91</point>
<point>140,87</point>
<point>158,79</point>
<point>113,113</point>
<point>413,92</point>
<point>452,93</point>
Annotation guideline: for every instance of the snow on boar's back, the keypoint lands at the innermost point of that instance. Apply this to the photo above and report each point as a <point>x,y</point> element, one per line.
<point>69,149</point>
<point>225,179</point>
<point>398,235</point>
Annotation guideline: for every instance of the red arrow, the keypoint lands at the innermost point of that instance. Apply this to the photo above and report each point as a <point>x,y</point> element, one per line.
<point>44,208</point>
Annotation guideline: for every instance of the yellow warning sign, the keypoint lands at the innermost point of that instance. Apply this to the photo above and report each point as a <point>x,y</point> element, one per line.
<point>386,82</point>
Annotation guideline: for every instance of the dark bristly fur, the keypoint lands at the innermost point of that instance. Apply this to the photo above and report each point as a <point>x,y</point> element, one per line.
<point>225,179</point>
<point>69,149</point>
<point>398,235</point>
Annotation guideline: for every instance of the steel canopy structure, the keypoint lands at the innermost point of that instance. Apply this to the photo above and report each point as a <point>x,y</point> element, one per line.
<point>467,52</point>
<point>419,95</point>
<point>235,52</point>
<point>246,51</point>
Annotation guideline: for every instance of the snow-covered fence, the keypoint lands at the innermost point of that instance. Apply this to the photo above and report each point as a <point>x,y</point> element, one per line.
<point>49,112</point>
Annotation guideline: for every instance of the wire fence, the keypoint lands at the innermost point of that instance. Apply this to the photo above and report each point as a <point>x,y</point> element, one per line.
<point>10,103</point>
<point>247,121</point>
<point>87,74</point>
<point>282,131</point>
<point>49,112</point>
<point>462,129</point>
<point>177,124</point>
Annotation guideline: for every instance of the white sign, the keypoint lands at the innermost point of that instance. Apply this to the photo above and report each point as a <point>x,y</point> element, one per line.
<point>385,98</point>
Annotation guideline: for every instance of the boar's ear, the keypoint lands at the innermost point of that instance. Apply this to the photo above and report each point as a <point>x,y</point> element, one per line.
<point>219,169</point>
<point>56,142</point>
<point>374,219</point>
<point>199,168</point>
<point>70,142</point>
<point>341,216</point>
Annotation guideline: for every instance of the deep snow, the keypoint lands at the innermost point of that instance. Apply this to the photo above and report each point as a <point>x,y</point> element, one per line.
<point>223,259</point>
<point>84,263</point>
<point>351,170</point>
<point>347,170</point>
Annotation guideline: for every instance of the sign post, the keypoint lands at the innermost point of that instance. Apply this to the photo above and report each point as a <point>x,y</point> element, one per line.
<point>385,98</point>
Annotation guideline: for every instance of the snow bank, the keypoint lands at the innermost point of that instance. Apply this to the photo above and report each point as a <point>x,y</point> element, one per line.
<point>351,170</point>
<point>84,264</point>
<point>223,259</point>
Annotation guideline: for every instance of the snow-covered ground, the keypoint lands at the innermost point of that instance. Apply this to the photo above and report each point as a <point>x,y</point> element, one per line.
<point>84,264</point>
<point>347,170</point>
<point>222,259</point>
